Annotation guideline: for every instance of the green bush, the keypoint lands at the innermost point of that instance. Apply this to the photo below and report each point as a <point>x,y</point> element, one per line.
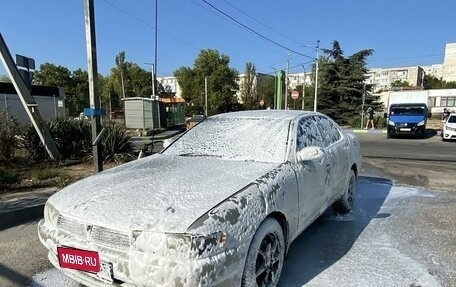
<point>9,138</point>
<point>116,143</point>
<point>74,140</point>
<point>72,137</point>
<point>9,177</point>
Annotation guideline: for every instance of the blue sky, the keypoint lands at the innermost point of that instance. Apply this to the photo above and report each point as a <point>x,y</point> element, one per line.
<point>402,32</point>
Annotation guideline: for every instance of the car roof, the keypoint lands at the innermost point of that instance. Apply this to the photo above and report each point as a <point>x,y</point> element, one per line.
<point>265,114</point>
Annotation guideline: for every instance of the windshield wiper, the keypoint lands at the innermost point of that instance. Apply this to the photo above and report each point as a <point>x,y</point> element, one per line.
<point>198,155</point>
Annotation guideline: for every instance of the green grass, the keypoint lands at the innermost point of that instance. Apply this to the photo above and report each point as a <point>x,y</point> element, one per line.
<point>46,173</point>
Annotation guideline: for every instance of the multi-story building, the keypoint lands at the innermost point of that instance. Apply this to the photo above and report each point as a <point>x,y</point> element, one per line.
<point>170,85</point>
<point>297,79</point>
<point>383,78</point>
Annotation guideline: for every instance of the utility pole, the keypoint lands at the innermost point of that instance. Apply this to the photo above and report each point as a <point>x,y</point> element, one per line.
<point>286,83</point>
<point>156,25</point>
<point>303,88</point>
<point>317,48</point>
<point>205,96</point>
<point>95,110</point>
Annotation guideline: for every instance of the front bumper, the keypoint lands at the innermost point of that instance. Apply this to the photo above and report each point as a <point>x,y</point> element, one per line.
<point>448,134</point>
<point>135,268</point>
<point>413,130</point>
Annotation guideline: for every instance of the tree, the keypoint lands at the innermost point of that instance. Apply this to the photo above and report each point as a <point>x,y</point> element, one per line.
<point>341,84</point>
<point>248,90</point>
<point>222,84</point>
<point>400,84</point>
<point>120,62</point>
<point>431,82</point>
<point>5,78</point>
<point>52,75</point>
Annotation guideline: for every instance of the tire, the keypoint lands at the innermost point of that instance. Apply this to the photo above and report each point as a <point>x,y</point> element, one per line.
<point>345,203</point>
<point>265,256</point>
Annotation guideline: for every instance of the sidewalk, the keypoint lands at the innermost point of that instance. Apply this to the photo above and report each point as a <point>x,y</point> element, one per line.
<point>22,206</point>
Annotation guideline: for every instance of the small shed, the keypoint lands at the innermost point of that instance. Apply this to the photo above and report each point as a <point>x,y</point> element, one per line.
<point>139,113</point>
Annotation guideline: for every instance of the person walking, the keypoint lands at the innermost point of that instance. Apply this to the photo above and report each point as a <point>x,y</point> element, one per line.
<point>370,117</point>
<point>446,114</point>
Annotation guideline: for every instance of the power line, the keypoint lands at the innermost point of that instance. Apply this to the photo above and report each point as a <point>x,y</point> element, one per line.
<point>255,32</point>
<point>149,25</point>
<point>259,22</point>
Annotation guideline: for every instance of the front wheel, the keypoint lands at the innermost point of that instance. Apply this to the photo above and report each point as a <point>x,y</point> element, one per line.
<point>265,256</point>
<point>345,203</point>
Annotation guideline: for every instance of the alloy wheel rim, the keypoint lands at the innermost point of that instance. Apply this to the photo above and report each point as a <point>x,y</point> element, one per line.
<point>267,264</point>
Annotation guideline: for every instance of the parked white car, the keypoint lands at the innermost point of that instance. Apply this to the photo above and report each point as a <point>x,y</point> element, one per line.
<point>220,206</point>
<point>449,127</point>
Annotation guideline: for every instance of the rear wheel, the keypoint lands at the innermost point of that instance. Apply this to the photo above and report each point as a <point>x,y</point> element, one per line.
<point>265,256</point>
<point>345,203</point>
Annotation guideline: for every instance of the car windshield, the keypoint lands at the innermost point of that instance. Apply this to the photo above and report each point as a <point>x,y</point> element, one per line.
<point>452,119</point>
<point>247,139</point>
<point>407,111</point>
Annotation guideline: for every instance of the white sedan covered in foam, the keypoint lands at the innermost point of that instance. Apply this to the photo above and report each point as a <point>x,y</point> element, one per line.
<point>218,207</point>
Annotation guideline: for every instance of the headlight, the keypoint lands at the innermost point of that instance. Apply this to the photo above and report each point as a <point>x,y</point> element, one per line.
<point>391,123</point>
<point>420,123</point>
<point>179,245</point>
<point>51,214</point>
<point>450,129</point>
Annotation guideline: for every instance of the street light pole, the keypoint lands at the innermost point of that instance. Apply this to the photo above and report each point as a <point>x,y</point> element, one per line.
<point>153,96</point>
<point>303,87</point>
<point>317,48</point>
<point>286,83</point>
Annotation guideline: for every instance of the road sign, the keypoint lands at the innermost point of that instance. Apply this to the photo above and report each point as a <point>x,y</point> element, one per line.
<point>294,95</point>
<point>25,62</point>
<point>261,103</point>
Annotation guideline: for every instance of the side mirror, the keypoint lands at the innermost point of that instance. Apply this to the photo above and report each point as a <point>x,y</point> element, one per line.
<point>310,153</point>
<point>385,115</point>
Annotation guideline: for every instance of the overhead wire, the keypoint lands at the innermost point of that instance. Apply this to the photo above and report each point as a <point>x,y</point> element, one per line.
<point>255,32</point>
<point>261,23</point>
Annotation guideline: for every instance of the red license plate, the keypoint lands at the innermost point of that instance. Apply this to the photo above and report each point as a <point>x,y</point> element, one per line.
<point>78,259</point>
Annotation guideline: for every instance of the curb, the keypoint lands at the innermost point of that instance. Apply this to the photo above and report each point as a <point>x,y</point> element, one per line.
<point>19,216</point>
<point>363,131</point>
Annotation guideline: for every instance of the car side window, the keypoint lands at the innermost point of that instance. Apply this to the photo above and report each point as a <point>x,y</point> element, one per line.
<point>330,132</point>
<point>308,134</point>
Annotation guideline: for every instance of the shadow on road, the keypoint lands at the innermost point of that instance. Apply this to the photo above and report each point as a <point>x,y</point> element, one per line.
<point>15,277</point>
<point>331,236</point>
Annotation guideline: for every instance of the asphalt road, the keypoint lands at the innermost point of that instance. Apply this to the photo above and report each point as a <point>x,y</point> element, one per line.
<point>426,162</point>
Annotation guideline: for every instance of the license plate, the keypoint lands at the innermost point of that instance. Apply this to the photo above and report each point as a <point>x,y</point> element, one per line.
<point>405,129</point>
<point>105,271</point>
<point>78,259</point>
